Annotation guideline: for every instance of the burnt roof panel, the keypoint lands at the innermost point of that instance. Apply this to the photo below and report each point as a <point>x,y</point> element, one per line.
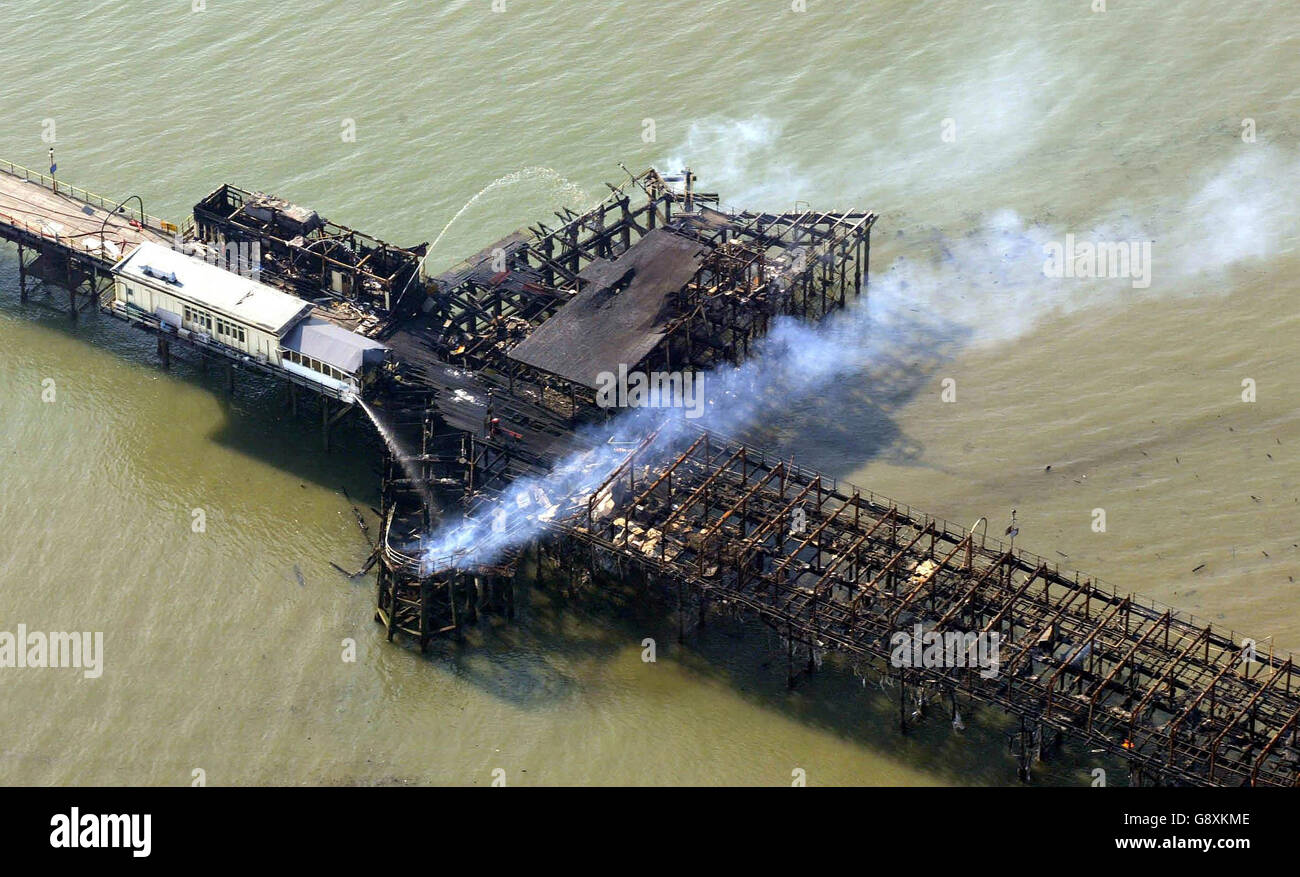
<point>621,314</point>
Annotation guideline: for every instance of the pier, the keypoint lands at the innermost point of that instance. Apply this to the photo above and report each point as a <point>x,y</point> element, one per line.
<point>69,236</point>
<point>490,376</point>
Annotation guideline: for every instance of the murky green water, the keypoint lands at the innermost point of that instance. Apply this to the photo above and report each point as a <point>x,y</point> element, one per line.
<point>223,648</point>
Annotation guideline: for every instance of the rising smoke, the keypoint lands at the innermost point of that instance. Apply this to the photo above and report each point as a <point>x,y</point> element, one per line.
<point>986,286</point>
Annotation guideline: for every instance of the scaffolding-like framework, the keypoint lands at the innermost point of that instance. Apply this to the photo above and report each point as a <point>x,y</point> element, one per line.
<point>483,419</point>
<point>310,256</point>
<point>838,570</point>
<point>756,266</point>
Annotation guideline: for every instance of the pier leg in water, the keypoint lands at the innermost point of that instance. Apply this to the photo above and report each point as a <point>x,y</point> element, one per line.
<point>426,599</point>
<point>902,700</point>
<point>681,615</point>
<point>789,656</point>
<point>451,602</point>
<point>1025,755</point>
<point>22,273</point>
<point>164,353</point>
<point>473,595</point>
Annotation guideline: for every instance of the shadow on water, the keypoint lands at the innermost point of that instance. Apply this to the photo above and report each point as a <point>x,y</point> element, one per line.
<point>523,662</point>
<point>257,420</point>
<point>517,662</point>
<point>851,421</point>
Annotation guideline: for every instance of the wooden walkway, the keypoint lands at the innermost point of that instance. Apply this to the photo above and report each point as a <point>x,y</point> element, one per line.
<point>71,220</point>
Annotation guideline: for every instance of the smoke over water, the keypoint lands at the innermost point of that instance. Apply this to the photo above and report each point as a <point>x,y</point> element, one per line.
<point>988,285</point>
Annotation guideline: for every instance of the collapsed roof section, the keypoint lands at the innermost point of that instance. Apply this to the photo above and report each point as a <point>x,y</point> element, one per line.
<point>655,275</point>
<point>306,254</point>
<point>626,307</point>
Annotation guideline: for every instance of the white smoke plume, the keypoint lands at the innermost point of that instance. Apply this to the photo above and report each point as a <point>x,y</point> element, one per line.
<point>985,286</point>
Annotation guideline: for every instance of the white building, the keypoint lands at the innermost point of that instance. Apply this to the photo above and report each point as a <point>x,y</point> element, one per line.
<point>211,305</point>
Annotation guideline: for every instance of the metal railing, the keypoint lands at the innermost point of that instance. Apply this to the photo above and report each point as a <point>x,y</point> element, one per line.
<point>79,194</point>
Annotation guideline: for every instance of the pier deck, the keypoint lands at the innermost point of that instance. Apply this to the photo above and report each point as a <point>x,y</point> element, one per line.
<point>36,211</point>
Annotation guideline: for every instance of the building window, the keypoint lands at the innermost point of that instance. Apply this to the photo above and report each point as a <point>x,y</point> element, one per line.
<point>315,365</point>
<point>200,320</point>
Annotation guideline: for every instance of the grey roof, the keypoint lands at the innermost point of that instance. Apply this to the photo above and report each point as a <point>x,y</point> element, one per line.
<point>622,313</point>
<point>326,342</point>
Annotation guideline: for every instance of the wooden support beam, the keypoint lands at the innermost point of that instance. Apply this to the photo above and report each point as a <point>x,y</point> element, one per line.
<point>925,580</point>
<point>806,542</point>
<point>960,604</point>
<point>699,491</point>
<point>1164,675</point>
<point>1078,650</point>
<point>849,552</point>
<point>759,485</point>
<point>1228,726</point>
<point>1173,727</point>
<point>1273,741</point>
<point>1030,641</point>
<point>1101,686</point>
<point>888,567</point>
<point>668,472</point>
<point>1009,604</point>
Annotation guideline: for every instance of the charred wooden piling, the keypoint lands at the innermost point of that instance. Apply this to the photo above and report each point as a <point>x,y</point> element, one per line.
<point>505,353</point>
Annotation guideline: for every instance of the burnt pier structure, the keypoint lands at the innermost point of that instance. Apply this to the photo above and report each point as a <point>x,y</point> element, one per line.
<point>492,382</point>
